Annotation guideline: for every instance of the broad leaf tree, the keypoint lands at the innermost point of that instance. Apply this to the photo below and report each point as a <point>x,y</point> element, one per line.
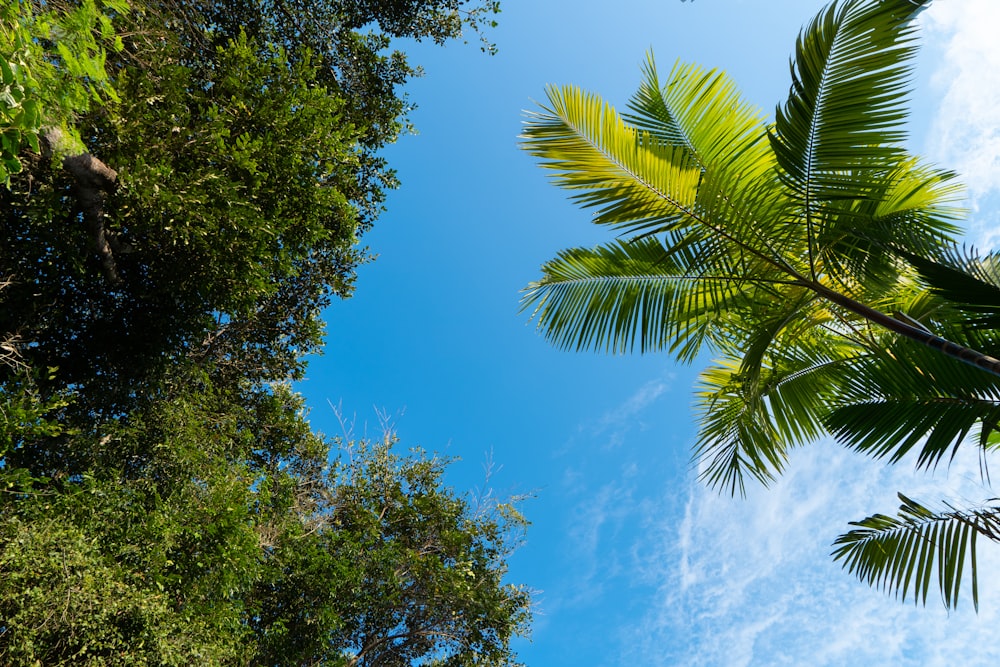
<point>811,255</point>
<point>172,227</point>
<point>215,207</point>
<point>213,558</point>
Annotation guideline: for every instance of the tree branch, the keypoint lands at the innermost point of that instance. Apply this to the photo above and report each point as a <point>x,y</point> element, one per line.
<point>93,181</point>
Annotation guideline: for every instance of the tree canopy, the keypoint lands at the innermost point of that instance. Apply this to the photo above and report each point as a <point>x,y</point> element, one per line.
<point>811,255</point>
<point>185,188</point>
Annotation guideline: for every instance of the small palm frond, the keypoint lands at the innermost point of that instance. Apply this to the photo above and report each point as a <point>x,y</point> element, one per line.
<point>895,553</point>
<point>629,295</point>
<point>969,283</point>
<point>801,395</point>
<point>633,180</point>
<point>767,396</point>
<point>802,382</point>
<point>893,427</point>
<point>737,438</point>
<point>924,309</point>
<point>911,397</point>
<point>702,111</point>
<point>845,111</point>
<point>910,206</point>
<point>916,207</point>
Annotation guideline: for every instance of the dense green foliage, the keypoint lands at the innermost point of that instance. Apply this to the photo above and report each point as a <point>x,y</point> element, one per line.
<point>810,255</point>
<point>219,562</point>
<point>188,185</point>
<point>54,83</point>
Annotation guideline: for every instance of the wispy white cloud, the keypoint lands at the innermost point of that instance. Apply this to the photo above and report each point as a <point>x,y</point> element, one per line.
<point>599,520</point>
<point>751,582</point>
<point>594,516</point>
<point>595,527</point>
<point>612,426</point>
<point>616,423</point>
<point>965,131</point>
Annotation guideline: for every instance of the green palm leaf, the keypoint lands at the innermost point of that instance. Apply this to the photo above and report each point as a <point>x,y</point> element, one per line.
<point>703,167</point>
<point>916,207</point>
<point>632,179</point>
<point>629,295</point>
<point>702,111</point>
<point>910,397</point>
<point>970,283</point>
<point>845,109</point>
<point>895,553</point>
<point>768,396</point>
<point>909,206</point>
<point>737,438</point>
<point>838,137</point>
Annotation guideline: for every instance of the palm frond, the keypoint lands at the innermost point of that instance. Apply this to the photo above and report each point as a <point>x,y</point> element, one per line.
<point>967,281</point>
<point>628,295</point>
<point>767,396</point>
<point>702,111</point>
<point>911,397</point>
<point>631,179</point>
<point>897,553</point>
<point>909,206</point>
<point>652,113</point>
<point>737,439</point>
<point>845,110</point>
<point>802,382</point>
<point>917,207</point>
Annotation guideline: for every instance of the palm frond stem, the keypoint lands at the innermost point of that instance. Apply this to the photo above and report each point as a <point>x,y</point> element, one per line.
<point>817,367</point>
<point>732,279</point>
<point>961,353</point>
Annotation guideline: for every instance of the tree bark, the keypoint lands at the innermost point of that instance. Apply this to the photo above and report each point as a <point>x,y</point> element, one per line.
<point>93,182</point>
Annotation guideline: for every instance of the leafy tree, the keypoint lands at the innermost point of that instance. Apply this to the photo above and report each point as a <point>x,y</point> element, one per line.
<point>221,196</point>
<point>224,191</point>
<point>218,559</point>
<point>365,575</point>
<point>171,232</point>
<point>812,255</point>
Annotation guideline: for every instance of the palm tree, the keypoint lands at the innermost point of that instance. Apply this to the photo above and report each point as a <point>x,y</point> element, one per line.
<point>812,255</point>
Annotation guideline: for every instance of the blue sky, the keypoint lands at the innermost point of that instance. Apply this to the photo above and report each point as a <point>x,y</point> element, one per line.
<point>634,562</point>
